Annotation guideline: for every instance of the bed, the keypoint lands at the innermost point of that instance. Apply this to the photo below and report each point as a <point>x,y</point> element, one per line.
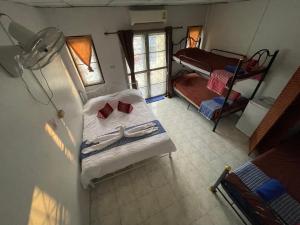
<point>205,62</point>
<point>192,87</point>
<point>280,163</point>
<point>206,66</point>
<point>105,162</point>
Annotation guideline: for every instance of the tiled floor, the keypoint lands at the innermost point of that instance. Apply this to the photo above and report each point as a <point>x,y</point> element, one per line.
<point>175,192</point>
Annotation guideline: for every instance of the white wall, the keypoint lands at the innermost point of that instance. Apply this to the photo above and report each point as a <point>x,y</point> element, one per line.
<point>96,21</point>
<point>35,163</point>
<point>233,27</point>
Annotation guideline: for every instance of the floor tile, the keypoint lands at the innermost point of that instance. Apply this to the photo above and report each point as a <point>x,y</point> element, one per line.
<point>157,219</point>
<point>104,204</point>
<point>125,195</point>
<point>204,220</point>
<point>175,191</point>
<point>110,219</point>
<point>148,205</point>
<point>130,214</point>
<point>165,196</point>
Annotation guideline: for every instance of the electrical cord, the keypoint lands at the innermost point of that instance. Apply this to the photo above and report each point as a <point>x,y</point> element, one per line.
<point>48,86</point>
<point>31,93</point>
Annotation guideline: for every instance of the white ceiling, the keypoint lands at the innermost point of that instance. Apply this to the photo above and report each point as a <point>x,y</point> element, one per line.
<point>77,3</point>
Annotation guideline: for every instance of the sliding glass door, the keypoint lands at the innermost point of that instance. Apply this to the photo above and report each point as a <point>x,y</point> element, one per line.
<point>150,63</point>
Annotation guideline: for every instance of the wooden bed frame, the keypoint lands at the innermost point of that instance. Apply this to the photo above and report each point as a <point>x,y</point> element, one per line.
<point>265,60</point>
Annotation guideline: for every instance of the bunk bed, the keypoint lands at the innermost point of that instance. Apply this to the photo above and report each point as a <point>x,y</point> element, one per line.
<point>201,65</point>
<point>280,163</point>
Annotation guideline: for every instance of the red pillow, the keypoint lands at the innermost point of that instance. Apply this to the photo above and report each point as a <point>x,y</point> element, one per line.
<point>105,111</point>
<point>124,107</point>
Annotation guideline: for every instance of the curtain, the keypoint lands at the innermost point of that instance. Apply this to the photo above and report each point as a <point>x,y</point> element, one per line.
<point>82,46</point>
<point>126,40</point>
<point>194,34</point>
<point>169,53</point>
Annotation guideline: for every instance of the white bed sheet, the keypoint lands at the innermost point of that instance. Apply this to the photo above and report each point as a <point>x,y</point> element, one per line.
<point>119,157</point>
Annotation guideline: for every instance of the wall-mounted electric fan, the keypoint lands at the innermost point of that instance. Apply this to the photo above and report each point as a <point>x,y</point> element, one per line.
<point>36,49</point>
<point>30,50</point>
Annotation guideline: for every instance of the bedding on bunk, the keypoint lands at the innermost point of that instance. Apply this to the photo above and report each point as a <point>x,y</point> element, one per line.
<point>271,191</point>
<point>209,107</point>
<point>120,152</point>
<point>218,81</point>
<point>280,164</point>
<point>206,62</point>
<point>194,88</point>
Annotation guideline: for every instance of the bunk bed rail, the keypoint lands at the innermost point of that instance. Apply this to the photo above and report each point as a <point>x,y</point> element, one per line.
<point>204,64</point>
<point>182,44</point>
<point>238,55</point>
<point>262,71</point>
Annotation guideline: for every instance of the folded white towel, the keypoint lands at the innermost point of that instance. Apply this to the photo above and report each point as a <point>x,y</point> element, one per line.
<point>108,139</point>
<point>105,140</point>
<point>141,127</point>
<point>139,133</point>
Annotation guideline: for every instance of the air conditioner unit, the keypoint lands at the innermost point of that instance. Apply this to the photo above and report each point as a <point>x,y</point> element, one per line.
<point>148,16</point>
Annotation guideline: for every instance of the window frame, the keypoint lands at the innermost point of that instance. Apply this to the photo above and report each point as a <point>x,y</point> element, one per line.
<point>200,37</point>
<point>148,71</point>
<point>96,56</point>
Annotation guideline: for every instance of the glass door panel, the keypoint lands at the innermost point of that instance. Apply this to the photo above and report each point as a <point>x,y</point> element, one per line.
<point>158,82</point>
<point>157,63</point>
<point>150,63</point>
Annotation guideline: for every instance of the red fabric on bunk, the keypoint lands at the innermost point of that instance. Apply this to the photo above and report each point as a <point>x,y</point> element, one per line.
<point>193,86</point>
<point>218,81</point>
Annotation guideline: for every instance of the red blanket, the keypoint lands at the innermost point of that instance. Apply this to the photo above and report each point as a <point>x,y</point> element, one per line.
<point>218,81</point>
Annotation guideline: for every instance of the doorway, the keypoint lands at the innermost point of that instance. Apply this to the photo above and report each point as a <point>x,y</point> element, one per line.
<point>150,63</point>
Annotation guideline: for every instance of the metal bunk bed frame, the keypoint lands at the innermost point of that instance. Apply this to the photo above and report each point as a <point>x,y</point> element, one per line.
<point>238,202</point>
<point>262,56</point>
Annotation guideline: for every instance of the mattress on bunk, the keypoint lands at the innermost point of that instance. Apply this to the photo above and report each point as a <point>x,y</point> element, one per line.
<point>193,87</point>
<point>106,162</point>
<point>281,163</point>
<point>206,61</point>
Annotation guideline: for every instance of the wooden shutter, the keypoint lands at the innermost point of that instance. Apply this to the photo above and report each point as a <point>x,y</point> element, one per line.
<point>82,46</point>
<point>277,117</point>
<point>194,36</point>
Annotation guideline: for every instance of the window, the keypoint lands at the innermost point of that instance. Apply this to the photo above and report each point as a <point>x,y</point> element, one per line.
<point>193,36</point>
<point>150,63</point>
<point>85,58</point>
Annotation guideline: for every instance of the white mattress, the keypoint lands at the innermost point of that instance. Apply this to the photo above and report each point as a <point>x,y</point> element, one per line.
<point>119,157</point>
<point>195,68</point>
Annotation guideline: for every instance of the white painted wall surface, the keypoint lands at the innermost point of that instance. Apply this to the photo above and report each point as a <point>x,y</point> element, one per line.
<point>97,20</point>
<point>233,27</point>
<point>33,157</point>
